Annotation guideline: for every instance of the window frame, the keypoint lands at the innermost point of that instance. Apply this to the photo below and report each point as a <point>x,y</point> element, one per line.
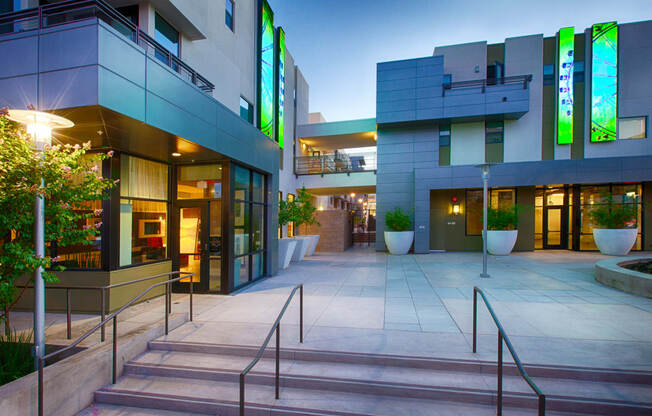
<point>250,110</point>
<point>232,13</point>
<point>466,206</point>
<point>156,31</point>
<point>645,127</point>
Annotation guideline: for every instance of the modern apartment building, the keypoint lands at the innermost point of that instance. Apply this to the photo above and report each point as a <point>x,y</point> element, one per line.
<point>564,120</point>
<point>199,101</point>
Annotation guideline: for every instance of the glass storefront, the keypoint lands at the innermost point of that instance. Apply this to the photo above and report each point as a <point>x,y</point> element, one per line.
<point>498,198</point>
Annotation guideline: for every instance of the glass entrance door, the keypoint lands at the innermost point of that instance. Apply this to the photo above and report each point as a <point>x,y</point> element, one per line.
<point>553,234</point>
<point>199,245</point>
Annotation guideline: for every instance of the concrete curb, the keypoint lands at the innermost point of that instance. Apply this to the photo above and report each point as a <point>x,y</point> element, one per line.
<point>610,273</point>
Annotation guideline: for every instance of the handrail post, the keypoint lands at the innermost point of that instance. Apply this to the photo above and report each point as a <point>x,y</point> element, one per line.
<point>190,298</point>
<point>40,387</point>
<point>301,314</point>
<point>542,405</point>
<point>167,307</point>
<point>475,317</point>
<point>68,315</point>
<point>115,348</point>
<point>242,394</point>
<point>278,361</point>
<point>169,286</point>
<point>499,373</point>
<point>102,315</point>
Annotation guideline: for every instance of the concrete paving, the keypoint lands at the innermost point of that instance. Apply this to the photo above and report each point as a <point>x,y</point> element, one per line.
<point>420,305</point>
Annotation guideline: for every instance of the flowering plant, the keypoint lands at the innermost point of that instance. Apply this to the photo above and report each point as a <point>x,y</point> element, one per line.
<point>69,180</point>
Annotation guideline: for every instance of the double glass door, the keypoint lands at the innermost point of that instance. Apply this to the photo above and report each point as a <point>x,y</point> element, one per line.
<point>200,245</point>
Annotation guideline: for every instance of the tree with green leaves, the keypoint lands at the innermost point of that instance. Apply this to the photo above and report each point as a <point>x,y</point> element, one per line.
<point>305,209</point>
<point>72,180</point>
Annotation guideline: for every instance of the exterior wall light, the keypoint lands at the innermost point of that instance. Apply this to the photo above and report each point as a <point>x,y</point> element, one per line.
<point>360,200</point>
<point>455,206</point>
<point>39,126</point>
<point>321,208</point>
<point>176,154</point>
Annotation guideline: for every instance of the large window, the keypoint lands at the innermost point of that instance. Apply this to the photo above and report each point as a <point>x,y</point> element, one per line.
<point>592,195</point>
<point>494,141</point>
<point>246,110</point>
<point>248,224</point>
<point>498,198</point>
<point>444,144</point>
<point>167,36</point>
<point>228,14</point>
<point>199,182</point>
<point>632,128</point>
<point>143,210</point>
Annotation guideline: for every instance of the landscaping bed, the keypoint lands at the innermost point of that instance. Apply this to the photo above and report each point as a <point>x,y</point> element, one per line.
<point>643,266</point>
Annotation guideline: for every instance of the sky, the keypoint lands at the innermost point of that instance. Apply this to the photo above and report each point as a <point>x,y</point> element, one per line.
<point>337,43</point>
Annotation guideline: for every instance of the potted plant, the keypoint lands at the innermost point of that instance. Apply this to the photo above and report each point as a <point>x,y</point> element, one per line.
<point>286,246</point>
<point>615,226</point>
<point>306,215</point>
<point>502,230</point>
<point>399,237</point>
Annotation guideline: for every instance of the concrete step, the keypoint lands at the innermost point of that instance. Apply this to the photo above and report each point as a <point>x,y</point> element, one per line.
<point>444,364</point>
<point>220,397</point>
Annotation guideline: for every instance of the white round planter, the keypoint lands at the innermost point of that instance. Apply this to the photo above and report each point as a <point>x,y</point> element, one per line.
<point>286,247</point>
<point>399,242</point>
<point>303,242</point>
<point>313,244</point>
<point>501,242</point>
<point>614,242</point>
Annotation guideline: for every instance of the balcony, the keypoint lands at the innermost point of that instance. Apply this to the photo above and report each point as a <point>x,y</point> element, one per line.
<point>336,162</point>
<point>52,15</point>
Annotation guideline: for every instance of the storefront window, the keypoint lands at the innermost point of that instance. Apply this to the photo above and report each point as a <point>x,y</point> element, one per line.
<point>498,199</point>
<point>199,182</point>
<point>248,224</point>
<point>143,210</point>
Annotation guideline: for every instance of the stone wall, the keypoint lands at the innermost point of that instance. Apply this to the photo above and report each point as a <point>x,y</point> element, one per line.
<point>335,232</point>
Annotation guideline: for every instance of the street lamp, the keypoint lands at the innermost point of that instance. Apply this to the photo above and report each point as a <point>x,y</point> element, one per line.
<point>40,126</point>
<point>485,185</point>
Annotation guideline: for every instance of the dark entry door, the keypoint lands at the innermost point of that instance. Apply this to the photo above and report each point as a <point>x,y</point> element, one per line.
<point>199,245</point>
<point>552,227</point>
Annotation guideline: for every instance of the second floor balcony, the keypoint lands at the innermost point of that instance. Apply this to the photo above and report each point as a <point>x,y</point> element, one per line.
<point>335,162</point>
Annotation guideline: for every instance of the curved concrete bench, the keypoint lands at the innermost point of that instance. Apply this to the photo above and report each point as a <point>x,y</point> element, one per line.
<point>611,273</point>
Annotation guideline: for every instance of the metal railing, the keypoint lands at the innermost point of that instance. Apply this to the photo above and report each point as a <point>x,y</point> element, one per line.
<point>69,11</point>
<point>483,83</point>
<point>502,337</point>
<point>114,318</point>
<point>338,162</point>
<point>276,327</point>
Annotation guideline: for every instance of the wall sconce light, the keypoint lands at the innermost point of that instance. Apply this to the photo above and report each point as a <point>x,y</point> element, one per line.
<point>321,208</point>
<point>455,206</point>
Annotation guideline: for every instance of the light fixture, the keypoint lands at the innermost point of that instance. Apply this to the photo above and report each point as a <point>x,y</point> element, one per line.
<point>321,208</point>
<point>40,126</point>
<point>360,200</point>
<point>455,206</point>
<point>352,194</point>
<point>176,154</point>
<point>375,136</point>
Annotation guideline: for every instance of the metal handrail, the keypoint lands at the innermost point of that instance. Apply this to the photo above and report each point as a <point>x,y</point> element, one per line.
<point>277,327</point>
<point>100,9</point>
<point>339,162</point>
<point>502,336</point>
<point>114,317</point>
<point>483,83</point>
<point>102,290</point>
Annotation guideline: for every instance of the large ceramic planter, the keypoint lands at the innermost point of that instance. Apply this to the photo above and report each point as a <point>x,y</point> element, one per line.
<point>399,242</point>
<point>614,242</point>
<point>501,242</point>
<point>303,242</point>
<point>286,247</point>
<point>313,244</point>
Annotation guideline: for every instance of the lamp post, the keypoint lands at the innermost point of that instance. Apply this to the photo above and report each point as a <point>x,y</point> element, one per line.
<point>485,185</point>
<point>39,126</point>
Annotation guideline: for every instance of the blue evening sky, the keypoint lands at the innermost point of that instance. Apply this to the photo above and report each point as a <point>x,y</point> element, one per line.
<point>337,43</point>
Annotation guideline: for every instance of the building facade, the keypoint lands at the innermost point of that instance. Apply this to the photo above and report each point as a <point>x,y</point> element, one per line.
<point>564,121</point>
<point>198,101</point>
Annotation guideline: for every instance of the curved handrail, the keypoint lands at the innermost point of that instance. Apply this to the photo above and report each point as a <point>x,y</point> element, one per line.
<point>502,336</point>
<point>276,326</point>
<point>113,316</point>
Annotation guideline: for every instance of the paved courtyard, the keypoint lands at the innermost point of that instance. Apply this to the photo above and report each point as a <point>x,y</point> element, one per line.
<point>421,305</point>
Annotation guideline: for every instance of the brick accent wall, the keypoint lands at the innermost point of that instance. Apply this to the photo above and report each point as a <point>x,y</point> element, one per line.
<point>335,232</point>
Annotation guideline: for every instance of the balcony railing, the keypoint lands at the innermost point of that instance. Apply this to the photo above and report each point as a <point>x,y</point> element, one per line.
<point>77,10</point>
<point>483,83</point>
<point>338,162</point>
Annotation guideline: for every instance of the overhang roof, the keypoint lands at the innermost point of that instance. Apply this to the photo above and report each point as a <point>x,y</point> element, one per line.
<point>339,134</point>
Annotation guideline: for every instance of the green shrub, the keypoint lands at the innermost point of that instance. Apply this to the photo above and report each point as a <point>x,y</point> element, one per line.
<point>613,215</point>
<point>15,356</point>
<point>502,218</point>
<point>396,220</point>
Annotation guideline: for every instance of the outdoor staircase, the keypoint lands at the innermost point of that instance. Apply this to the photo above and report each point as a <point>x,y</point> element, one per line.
<point>203,378</point>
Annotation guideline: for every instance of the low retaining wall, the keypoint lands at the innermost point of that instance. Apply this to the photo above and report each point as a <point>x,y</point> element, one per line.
<point>70,384</point>
<point>609,272</point>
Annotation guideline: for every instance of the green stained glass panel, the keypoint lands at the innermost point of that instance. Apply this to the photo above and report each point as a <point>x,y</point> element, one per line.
<point>604,82</point>
<point>565,86</point>
<point>266,101</point>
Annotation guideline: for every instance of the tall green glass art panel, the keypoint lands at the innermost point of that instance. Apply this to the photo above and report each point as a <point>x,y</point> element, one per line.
<point>266,87</point>
<point>565,86</point>
<point>604,82</point>
<point>280,101</point>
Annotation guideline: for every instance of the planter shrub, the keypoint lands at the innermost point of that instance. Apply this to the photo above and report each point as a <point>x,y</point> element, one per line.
<point>396,220</point>
<point>502,218</point>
